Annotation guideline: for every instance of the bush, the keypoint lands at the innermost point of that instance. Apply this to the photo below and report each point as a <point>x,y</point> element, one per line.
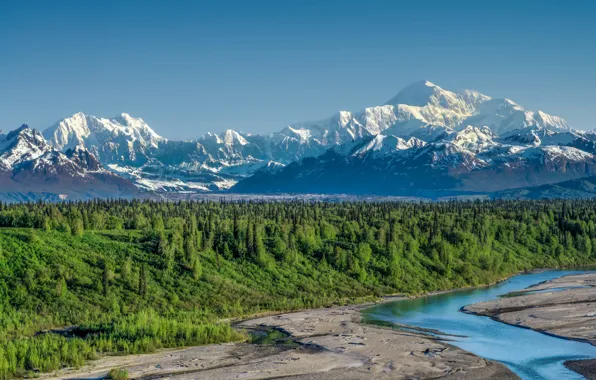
<point>118,374</point>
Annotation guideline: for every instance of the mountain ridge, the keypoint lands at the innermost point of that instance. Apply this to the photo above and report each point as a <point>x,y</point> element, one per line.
<point>32,169</point>
<point>450,134</point>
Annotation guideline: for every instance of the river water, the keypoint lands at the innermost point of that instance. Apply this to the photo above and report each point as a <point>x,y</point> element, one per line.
<point>530,354</point>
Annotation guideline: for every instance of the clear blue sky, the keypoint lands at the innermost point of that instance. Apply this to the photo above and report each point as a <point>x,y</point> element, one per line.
<point>188,67</point>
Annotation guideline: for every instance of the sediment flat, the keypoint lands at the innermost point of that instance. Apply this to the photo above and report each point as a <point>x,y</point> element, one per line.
<point>564,307</point>
<point>332,344</point>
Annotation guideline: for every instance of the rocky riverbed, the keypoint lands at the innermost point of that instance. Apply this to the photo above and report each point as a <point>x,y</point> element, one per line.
<point>330,343</point>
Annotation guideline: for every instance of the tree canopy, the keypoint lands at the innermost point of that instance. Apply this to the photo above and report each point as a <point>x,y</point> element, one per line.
<point>134,276</point>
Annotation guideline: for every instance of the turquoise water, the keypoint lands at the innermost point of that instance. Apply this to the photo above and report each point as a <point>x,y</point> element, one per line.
<point>528,353</point>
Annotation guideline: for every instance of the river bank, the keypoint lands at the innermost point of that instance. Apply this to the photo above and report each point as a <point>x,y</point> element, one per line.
<point>564,307</point>
<point>331,343</point>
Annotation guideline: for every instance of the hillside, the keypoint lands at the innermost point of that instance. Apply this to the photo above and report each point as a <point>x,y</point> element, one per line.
<point>80,280</point>
<point>584,188</point>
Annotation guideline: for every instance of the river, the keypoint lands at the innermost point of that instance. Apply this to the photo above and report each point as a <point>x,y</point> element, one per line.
<point>530,354</point>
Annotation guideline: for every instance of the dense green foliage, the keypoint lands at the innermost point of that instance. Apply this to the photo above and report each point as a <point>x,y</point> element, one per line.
<point>118,374</point>
<point>134,276</point>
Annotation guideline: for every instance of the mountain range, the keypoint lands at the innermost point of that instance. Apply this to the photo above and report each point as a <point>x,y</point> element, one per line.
<point>425,141</point>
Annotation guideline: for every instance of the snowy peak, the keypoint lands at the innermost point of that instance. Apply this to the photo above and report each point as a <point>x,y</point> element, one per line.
<point>87,130</point>
<point>32,165</point>
<point>68,132</point>
<point>423,110</point>
<point>232,138</point>
<point>342,127</point>
<point>24,134</point>
<point>544,120</point>
<point>136,128</point>
<point>423,126</point>
<point>228,137</point>
<point>418,94</point>
<point>213,137</point>
<point>301,134</point>
<point>272,167</point>
<point>20,145</point>
<point>425,93</point>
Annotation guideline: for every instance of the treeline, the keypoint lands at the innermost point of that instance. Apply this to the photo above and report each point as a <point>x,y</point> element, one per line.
<point>134,276</point>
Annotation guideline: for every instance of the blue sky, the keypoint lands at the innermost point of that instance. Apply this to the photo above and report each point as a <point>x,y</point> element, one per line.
<point>188,67</point>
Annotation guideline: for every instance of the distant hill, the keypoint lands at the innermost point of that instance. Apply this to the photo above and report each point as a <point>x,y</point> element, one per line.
<point>578,188</point>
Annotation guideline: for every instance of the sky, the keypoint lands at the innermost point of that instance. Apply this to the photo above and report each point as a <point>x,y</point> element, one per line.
<point>188,67</point>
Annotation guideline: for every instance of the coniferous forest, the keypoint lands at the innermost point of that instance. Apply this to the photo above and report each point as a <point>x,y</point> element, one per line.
<point>80,280</point>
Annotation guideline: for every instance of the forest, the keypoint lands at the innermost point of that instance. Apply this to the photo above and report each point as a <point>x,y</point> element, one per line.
<point>110,277</point>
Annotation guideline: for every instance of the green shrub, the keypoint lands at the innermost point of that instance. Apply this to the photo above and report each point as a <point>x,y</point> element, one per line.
<point>118,374</point>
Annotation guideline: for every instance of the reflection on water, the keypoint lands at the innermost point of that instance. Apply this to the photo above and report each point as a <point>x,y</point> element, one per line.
<point>528,353</point>
<point>271,336</point>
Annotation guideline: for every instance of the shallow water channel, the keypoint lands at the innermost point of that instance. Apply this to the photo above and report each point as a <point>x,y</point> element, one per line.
<point>530,354</point>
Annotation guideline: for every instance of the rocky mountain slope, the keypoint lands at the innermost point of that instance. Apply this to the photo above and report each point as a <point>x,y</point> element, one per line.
<point>440,143</point>
<point>31,169</point>
<point>426,140</point>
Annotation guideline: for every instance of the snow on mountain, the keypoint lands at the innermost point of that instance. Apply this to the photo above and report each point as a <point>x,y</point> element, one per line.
<point>504,115</point>
<point>435,169</point>
<point>31,167</point>
<point>273,166</point>
<point>303,135</point>
<point>425,93</point>
<point>427,111</point>
<point>551,153</point>
<point>20,145</point>
<point>474,138</point>
<point>228,145</point>
<point>229,137</point>
<point>77,162</point>
<point>446,155</point>
<point>81,129</point>
<point>424,125</point>
<point>468,141</point>
<point>541,136</point>
<point>382,145</point>
<point>338,129</point>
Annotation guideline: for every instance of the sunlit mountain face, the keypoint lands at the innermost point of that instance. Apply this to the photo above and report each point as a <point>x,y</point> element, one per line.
<point>425,141</point>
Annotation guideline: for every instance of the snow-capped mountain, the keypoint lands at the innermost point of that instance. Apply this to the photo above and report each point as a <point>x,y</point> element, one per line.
<point>432,169</point>
<point>465,142</point>
<point>80,128</point>
<point>21,145</point>
<point>426,110</point>
<point>129,147</point>
<point>123,138</point>
<point>30,168</point>
<point>425,137</point>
